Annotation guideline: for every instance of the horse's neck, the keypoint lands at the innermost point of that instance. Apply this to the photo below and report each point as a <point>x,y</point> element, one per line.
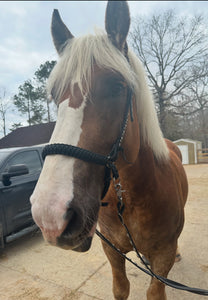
<point>140,178</point>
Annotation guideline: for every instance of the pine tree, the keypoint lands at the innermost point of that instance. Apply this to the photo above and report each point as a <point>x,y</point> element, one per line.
<point>28,102</point>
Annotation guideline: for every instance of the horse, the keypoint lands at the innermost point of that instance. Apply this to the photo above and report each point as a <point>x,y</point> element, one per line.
<point>107,127</point>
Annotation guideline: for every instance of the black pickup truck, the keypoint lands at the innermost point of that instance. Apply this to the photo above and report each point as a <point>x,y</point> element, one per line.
<point>19,171</point>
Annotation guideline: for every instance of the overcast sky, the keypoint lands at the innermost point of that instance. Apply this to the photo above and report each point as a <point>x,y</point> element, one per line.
<point>25,31</point>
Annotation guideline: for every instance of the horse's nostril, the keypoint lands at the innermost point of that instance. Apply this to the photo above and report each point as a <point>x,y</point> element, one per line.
<point>69,214</point>
<point>75,222</point>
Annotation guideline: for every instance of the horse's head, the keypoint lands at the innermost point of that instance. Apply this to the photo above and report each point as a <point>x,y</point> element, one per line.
<point>90,84</point>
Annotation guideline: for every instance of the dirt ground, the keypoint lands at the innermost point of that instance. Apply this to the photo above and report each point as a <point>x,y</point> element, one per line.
<point>32,270</point>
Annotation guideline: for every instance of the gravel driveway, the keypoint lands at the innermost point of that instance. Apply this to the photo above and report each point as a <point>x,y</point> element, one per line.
<point>32,270</point>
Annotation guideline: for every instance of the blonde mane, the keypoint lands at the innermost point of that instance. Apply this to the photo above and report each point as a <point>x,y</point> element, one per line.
<point>75,66</point>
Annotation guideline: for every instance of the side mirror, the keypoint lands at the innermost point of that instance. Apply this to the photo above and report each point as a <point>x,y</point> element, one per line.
<point>16,170</point>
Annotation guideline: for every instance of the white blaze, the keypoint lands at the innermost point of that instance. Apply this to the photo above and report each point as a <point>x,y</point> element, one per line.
<point>55,185</point>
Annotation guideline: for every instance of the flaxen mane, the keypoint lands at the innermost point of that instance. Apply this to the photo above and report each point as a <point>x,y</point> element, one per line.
<point>76,65</point>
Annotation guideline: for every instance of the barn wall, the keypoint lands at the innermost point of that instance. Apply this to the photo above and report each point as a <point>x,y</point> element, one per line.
<point>191,153</point>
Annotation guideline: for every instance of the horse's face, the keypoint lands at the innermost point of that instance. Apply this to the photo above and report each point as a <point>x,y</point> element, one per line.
<point>66,200</point>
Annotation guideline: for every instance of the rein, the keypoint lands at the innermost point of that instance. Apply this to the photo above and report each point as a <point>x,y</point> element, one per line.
<point>109,162</point>
<point>166,281</point>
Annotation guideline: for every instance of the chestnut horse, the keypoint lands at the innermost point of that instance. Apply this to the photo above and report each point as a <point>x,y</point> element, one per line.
<point>94,79</point>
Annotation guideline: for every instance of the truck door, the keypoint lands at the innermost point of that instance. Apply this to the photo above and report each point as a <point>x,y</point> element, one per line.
<point>16,196</point>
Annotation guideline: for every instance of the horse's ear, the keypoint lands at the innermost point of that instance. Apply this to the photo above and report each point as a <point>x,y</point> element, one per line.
<point>60,32</point>
<point>117,22</point>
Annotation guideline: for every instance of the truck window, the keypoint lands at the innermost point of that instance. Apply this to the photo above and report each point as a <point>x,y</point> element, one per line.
<point>29,158</point>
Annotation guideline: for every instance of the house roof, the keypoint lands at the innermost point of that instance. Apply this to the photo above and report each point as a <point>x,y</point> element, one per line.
<point>28,136</point>
<point>187,140</point>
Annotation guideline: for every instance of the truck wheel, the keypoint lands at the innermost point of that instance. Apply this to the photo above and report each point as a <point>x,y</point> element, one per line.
<point>1,236</point>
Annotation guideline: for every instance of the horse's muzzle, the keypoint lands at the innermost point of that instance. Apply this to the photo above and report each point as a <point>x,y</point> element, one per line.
<point>82,246</point>
<point>78,233</point>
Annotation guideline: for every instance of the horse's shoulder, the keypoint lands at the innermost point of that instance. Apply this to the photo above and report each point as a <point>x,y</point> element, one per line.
<point>173,147</point>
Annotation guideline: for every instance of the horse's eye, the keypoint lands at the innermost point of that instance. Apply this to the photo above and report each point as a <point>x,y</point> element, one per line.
<point>117,89</point>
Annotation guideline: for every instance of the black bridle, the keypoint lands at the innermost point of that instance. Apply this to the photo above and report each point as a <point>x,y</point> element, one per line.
<point>88,156</point>
<point>109,162</point>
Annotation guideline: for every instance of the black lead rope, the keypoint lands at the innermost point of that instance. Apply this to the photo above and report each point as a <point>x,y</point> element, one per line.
<point>166,281</point>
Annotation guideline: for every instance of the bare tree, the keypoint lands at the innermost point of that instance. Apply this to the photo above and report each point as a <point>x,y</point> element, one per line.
<point>194,101</point>
<point>4,106</point>
<point>169,46</point>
